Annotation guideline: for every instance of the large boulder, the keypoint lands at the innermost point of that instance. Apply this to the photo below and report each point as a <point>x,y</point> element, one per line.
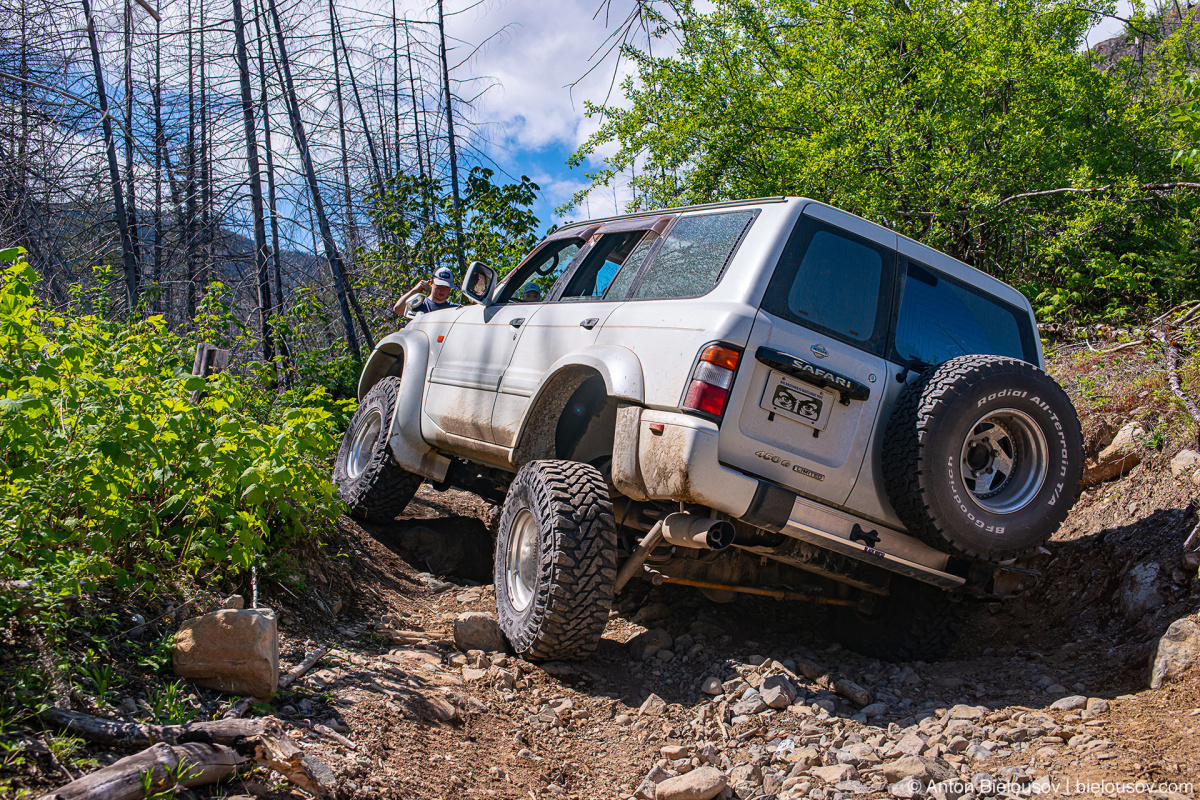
<point>704,783</point>
<point>1178,651</point>
<point>231,650</point>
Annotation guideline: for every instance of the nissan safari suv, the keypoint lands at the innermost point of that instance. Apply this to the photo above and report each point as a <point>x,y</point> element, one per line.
<point>768,396</point>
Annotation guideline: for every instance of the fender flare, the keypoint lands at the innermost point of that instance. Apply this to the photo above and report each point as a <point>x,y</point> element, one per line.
<point>409,448</point>
<point>619,368</point>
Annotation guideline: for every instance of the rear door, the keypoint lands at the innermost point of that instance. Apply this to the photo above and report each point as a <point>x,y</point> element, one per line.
<point>808,391</point>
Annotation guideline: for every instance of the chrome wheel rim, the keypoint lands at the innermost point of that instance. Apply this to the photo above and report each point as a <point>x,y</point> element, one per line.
<point>1004,460</point>
<point>520,577</point>
<point>363,446</point>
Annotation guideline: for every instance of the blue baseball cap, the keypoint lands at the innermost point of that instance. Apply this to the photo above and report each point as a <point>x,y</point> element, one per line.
<point>442,276</point>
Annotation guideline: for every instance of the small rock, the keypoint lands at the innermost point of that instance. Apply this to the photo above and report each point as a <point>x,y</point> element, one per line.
<point>835,773</point>
<point>1178,650</point>
<point>910,745</point>
<point>746,775</point>
<point>230,650</point>
<point>804,758</point>
<point>712,686</point>
<point>622,719</point>
<point>968,712</point>
<point>654,612</point>
<point>234,601</point>
<point>704,783</point>
<point>128,705</point>
<point>648,643</point>
<point>1184,462</point>
<point>672,752</point>
<point>751,705</point>
<point>647,789</point>
<point>907,789</point>
<point>1072,703</point>
<point>1097,705</point>
<point>652,706</point>
<point>874,710</point>
<point>477,630</point>
<point>1139,591</point>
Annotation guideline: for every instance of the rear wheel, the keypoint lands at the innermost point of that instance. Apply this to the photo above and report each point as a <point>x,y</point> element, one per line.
<point>374,487</point>
<point>915,622</point>
<point>983,456</point>
<point>556,560</point>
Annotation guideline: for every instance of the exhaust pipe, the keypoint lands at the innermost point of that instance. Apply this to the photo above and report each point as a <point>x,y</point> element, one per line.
<point>699,533</point>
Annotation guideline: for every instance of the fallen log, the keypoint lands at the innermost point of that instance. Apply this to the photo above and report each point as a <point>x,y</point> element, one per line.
<point>834,683</point>
<point>263,740</point>
<point>161,766</point>
<point>134,736</point>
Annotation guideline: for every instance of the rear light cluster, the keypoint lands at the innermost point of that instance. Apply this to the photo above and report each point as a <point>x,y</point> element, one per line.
<point>712,379</point>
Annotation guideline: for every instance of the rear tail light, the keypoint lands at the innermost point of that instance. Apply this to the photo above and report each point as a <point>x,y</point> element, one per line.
<point>712,379</point>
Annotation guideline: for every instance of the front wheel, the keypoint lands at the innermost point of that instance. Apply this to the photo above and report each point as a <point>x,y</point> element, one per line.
<point>556,561</point>
<point>374,487</point>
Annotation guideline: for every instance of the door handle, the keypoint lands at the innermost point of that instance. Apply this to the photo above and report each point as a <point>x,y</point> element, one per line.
<point>589,323</point>
<point>517,322</point>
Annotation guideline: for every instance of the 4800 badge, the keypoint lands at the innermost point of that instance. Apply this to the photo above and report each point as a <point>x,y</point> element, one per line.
<point>783,462</point>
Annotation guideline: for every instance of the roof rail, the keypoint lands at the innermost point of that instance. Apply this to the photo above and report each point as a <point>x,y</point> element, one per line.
<point>676,209</point>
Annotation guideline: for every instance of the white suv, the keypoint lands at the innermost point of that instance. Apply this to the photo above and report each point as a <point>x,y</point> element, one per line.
<point>768,396</point>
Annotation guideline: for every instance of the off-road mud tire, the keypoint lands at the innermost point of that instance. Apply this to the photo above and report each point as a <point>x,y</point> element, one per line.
<point>916,622</point>
<point>925,448</point>
<point>378,490</point>
<point>576,560</point>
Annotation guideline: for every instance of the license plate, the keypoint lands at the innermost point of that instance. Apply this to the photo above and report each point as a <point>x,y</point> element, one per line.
<point>792,399</point>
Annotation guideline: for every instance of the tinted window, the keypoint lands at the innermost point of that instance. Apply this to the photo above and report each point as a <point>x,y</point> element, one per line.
<point>693,255</point>
<point>835,283</point>
<point>941,319</point>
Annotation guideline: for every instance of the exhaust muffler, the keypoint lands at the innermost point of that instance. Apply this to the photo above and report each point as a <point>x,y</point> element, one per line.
<point>699,533</point>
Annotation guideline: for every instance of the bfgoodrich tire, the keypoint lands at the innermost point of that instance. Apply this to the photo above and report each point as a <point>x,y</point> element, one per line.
<point>374,487</point>
<point>556,561</point>
<point>983,457</point>
<point>915,622</point>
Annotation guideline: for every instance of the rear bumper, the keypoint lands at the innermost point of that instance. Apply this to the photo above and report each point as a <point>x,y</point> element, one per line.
<point>665,455</point>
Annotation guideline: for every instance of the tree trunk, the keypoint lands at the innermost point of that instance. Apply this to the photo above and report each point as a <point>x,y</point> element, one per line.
<point>159,147</point>
<point>195,764</point>
<point>256,199</point>
<point>114,174</point>
<point>362,114</point>
<point>351,226</point>
<point>458,231</point>
<point>206,219</point>
<point>131,197</point>
<point>412,88</point>
<point>331,252</point>
<point>190,232</point>
<point>266,115</point>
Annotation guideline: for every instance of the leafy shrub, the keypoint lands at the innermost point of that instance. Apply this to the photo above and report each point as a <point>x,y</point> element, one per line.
<point>108,470</point>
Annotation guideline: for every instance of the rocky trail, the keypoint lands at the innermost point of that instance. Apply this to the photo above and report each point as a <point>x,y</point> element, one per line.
<point>1045,695</point>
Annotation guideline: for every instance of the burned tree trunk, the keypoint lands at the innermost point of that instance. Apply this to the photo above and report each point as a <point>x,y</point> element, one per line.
<point>332,255</point>
<point>458,230</point>
<point>114,174</point>
<point>256,199</point>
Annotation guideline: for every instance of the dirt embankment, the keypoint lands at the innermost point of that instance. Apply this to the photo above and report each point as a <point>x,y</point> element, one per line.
<point>426,721</point>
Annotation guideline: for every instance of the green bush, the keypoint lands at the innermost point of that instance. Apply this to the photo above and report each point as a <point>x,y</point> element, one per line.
<point>110,473</point>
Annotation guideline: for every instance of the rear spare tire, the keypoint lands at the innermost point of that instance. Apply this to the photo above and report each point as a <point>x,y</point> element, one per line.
<point>983,457</point>
<point>374,487</point>
<point>556,561</point>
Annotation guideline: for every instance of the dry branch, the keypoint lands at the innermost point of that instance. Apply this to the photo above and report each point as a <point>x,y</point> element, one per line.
<point>132,735</point>
<point>194,764</point>
<point>1174,356</point>
<point>834,683</point>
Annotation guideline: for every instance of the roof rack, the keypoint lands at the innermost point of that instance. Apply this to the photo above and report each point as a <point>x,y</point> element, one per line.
<point>676,209</point>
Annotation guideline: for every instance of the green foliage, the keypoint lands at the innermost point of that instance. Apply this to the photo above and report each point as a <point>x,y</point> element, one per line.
<point>170,705</point>
<point>954,123</point>
<point>110,473</point>
<point>419,216</point>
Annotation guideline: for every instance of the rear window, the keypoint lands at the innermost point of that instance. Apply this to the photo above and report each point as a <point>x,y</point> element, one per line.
<point>940,319</point>
<point>693,255</point>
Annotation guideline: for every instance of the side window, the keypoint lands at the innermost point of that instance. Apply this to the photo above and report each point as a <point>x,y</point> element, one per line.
<point>940,319</point>
<point>693,255</point>
<point>600,266</point>
<point>541,272</point>
<point>629,270</point>
<point>834,283</point>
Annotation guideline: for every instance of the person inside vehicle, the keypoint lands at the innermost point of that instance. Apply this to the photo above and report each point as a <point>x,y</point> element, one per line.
<point>531,293</point>
<point>439,293</point>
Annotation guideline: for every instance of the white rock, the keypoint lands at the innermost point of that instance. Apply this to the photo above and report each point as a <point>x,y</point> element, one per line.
<point>835,774</point>
<point>874,710</point>
<point>1185,461</point>
<point>704,783</point>
<point>1139,591</point>
<point>652,706</point>
<point>477,630</point>
<point>1097,705</point>
<point>1178,651</point>
<point>712,686</point>
<point>1072,703</point>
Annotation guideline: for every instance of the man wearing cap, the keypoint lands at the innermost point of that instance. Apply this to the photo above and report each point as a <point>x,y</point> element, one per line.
<point>439,297</point>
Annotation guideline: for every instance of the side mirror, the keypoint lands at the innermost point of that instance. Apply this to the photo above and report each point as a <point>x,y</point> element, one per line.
<point>478,283</point>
